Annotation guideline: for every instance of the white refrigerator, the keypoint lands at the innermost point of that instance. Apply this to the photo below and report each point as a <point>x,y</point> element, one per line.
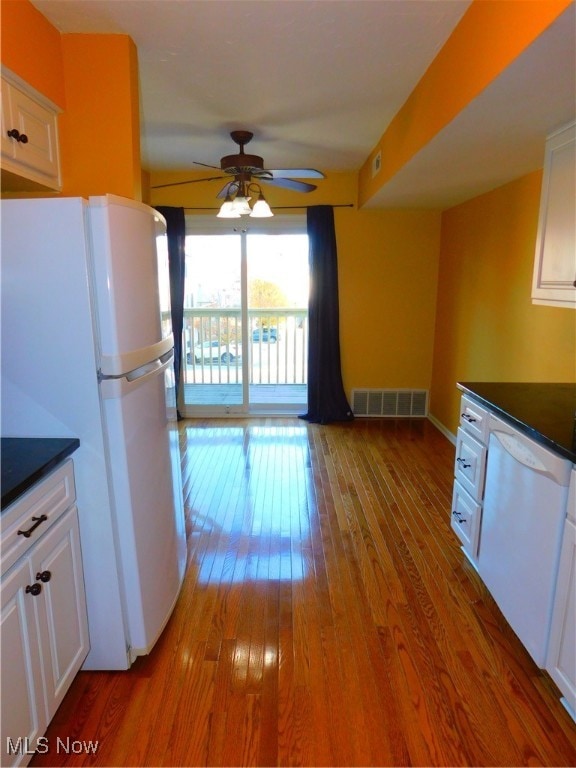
<point>87,352</point>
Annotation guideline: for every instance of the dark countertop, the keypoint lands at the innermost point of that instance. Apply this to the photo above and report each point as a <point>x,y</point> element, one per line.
<point>25,460</point>
<point>544,412</point>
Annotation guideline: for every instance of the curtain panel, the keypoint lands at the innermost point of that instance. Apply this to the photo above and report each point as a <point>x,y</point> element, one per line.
<point>326,398</point>
<point>176,234</point>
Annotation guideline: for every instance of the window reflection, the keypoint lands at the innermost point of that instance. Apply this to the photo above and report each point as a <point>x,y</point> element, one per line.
<point>249,494</point>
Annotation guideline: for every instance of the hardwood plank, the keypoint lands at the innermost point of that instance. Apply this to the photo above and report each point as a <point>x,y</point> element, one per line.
<point>328,617</point>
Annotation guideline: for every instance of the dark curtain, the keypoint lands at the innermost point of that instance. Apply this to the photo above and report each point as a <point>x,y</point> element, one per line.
<point>176,232</point>
<point>326,399</point>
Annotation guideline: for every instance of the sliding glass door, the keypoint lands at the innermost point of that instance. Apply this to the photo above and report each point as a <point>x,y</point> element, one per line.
<point>213,375</point>
<point>246,317</point>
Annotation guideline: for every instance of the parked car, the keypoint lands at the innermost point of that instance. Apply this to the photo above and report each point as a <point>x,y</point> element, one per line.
<point>265,334</point>
<point>212,351</point>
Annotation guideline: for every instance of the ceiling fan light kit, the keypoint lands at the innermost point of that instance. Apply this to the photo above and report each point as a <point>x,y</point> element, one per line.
<point>227,210</point>
<point>261,208</point>
<point>236,202</point>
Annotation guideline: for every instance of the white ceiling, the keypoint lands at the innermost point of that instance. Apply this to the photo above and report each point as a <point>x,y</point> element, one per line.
<point>318,82</point>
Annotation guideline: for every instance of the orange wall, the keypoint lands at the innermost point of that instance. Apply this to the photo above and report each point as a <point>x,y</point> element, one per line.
<point>30,47</point>
<point>100,129</point>
<point>488,38</point>
<point>94,79</point>
<point>388,263</point>
<point>487,329</point>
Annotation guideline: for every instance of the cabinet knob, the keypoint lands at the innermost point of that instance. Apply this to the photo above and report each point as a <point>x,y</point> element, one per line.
<point>34,589</point>
<point>14,133</point>
<point>44,576</point>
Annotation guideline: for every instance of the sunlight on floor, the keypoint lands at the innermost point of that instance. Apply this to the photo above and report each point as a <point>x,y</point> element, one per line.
<point>252,503</point>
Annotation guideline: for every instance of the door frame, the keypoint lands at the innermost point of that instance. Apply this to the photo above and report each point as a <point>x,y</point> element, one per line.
<point>201,224</point>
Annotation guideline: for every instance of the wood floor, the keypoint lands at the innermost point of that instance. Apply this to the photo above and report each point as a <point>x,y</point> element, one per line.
<point>328,618</point>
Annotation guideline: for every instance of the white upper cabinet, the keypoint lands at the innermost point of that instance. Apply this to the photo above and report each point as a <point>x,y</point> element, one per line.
<point>554,281</point>
<point>29,146</point>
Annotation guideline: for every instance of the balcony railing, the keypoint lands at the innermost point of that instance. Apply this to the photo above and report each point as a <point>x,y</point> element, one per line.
<point>275,344</point>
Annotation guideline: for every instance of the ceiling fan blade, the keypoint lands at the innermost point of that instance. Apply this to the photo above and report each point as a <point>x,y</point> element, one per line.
<point>296,173</point>
<point>225,190</point>
<point>297,186</point>
<point>190,181</point>
<point>217,167</point>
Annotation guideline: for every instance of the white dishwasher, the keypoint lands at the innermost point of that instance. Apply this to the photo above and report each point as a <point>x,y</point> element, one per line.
<point>525,502</point>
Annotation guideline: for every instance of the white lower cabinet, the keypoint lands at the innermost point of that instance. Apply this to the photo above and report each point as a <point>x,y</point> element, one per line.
<point>469,469</point>
<point>23,709</point>
<point>44,634</point>
<point>468,502</point>
<point>561,656</point>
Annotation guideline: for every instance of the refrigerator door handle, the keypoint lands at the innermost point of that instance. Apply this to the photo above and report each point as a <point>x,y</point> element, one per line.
<point>117,365</point>
<point>153,367</point>
<point>120,386</point>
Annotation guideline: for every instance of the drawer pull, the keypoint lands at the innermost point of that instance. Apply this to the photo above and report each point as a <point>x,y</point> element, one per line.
<point>468,418</point>
<point>30,531</point>
<point>34,589</point>
<point>44,576</point>
<point>459,518</point>
<point>14,133</point>
<point>463,464</point>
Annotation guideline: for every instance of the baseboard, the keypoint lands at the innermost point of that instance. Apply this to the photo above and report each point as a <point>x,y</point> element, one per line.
<point>441,428</point>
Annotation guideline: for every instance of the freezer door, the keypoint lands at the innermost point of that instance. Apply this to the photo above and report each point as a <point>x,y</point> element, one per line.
<point>147,503</point>
<point>129,266</point>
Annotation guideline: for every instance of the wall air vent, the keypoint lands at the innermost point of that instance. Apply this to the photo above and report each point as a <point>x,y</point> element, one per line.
<point>390,402</point>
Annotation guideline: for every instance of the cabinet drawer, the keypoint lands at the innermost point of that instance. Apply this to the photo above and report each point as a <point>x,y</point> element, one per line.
<point>474,419</point>
<point>465,522</point>
<point>470,464</point>
<point>35,512</point>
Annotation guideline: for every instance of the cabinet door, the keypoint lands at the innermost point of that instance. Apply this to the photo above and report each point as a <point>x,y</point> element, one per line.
<point>30,157</point>
<point>38,124</point>
<point>554,280</point>
<point>561,658</point>
<point>56,564</point>
<point>7,145</point>
<point>23,712</point>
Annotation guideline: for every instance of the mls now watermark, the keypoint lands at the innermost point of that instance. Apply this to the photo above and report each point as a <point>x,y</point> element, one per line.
<point>24,746</point>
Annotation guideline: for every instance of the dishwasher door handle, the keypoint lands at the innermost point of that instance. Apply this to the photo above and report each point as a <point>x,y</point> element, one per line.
<point>530,454</point>
<point>518,449</point>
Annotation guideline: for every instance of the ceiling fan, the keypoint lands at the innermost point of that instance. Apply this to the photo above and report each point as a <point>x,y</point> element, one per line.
<point>244,169</point>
